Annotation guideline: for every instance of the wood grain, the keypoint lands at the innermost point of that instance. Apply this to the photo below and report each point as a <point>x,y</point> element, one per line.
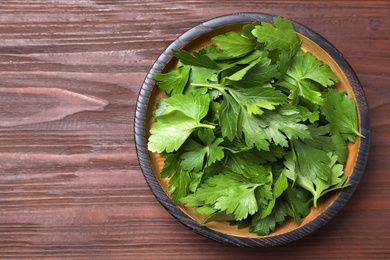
<point>72,188</point>
<point>42,105</point>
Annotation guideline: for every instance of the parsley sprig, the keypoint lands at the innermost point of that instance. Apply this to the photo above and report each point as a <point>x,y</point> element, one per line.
<point>251,130</point>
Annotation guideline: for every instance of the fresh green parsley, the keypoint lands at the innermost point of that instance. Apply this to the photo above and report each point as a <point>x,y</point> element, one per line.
<point>251,130</point>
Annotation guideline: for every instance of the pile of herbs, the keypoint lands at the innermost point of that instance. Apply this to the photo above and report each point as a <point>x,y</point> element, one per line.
<point>251,131</point>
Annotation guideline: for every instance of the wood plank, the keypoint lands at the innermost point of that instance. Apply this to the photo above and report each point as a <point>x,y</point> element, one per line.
<point>71,186</point>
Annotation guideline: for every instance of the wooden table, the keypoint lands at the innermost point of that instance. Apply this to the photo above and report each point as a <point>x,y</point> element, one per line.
<point>70,183</point>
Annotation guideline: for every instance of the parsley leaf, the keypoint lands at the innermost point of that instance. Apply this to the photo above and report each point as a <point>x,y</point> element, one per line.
<point>192,106</point>
<point>280,36</point>
<point>199,75</point>
<point>170,163</point>
<point>193,156</point>
<point>318,187</point>
<point>174,81</point>
<point>285,58</point>
<point>173,128</point>
<point>235,44</point>
<point>299,199</point>
<point>170,131</point>
<point>336,178</point>
<point>263,226</point>
<point>312,162</point>
<point>230,193</point>
<point>195,153</point>
<point>341,149</point>
<point>228,118</point>
<point>253,131</point>
<point>199,59</point>
<point>340,111</point>
<point>284,123</point>
<point>258,97</point>
<point>179,185</point>
<point>255,74</point>
<point>307,66</point>
<point>305,77</point>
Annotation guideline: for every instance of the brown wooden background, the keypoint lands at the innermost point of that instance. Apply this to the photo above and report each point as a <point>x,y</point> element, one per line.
<point>70,183</point>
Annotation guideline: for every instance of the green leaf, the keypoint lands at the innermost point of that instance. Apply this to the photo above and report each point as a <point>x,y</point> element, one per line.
<point>341,149</point>
<point>299,199</point>
<point>343,178</point>
<point>265,199</point>
<point>179,185</point>
<point>196,179</point>
<point>321,186</point>
<point>230,195</point>
<point>215,54</point>
<point>255,74</point>
<point>219,216</point>
<point>308,115</point>
<point>280,36</point>
<point>212,189</point>
<point>247,59</point>
<point>243,154</point>
<point>242,223</point>
<point>213,149</point>
<point>292,172</point>
<point>228,118</point>
<point>193,156</point>
<point>240,200</point>
<point>174,81</point>
<point>312,162</point>
<point>206,209</point>
<point>247,31</point>
<point>257,98</point>
<point>259,174</point>
<point>161,107</point>
<point>280,186</point>
<point>284,123</point>
<point>235,44</point>
<point>290,167</point>
<point>263,226</point>
<point>254,133</point>
<point>340,111</point>
<point>250,157</point>
<point>307,66</point>
<point>320,138</point>
<point>286,57</point>
<point>198,59</point>
<point>199,75</point>
<point>304,77</point>
<point>237,76</point>
<point>195,107</point>
<point>194,153</point>
<point>191,201</point>
<point>170,163</point>
<point>172,129</point>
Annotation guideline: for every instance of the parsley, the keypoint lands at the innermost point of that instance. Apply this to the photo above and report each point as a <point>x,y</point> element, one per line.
<point>183,115</point>
<point>237,44</point>
<point>251,130</point>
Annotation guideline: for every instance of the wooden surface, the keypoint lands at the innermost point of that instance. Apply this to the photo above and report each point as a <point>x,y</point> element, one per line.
<point>70,183</point>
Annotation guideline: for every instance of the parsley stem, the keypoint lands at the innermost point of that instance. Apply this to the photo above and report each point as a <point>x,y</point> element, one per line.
<point>206,126</point>
<point>215,86</point>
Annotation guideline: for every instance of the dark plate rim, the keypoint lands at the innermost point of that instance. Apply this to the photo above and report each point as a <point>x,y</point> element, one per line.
<point>141,150</point>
